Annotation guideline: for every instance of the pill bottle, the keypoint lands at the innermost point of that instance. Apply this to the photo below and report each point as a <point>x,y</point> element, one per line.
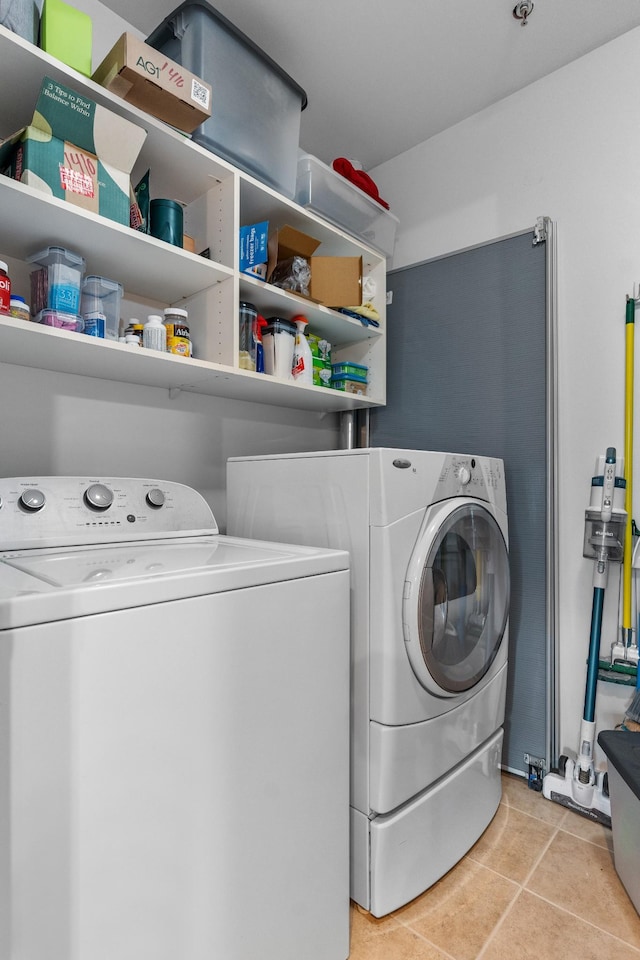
<point>154,334</point>
<point>134,326</point>
<point>176,321</point>
<point>19,308</point>
<point>5,288</point>
<point>132,340</point>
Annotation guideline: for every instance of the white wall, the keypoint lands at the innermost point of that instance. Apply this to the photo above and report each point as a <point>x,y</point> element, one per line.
<point>567,147</point>
<point>71,425</point>
<point>58,424</point>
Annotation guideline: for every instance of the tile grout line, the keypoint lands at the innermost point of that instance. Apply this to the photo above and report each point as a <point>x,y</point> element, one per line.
<point>522,887</point>
<point>499,923</point>
<point>421,936</point>
<point>508,909</point>
<point>576,916</point>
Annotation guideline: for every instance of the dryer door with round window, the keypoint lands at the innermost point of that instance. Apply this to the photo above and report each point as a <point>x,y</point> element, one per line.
<point>456,597</point>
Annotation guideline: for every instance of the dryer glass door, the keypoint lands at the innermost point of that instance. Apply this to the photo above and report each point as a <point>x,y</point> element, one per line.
<point>456,600</point>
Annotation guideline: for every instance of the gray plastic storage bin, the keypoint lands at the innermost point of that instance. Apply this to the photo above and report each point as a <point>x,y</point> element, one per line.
<point>622,748</point>
<point>22,17</point>
<point>328,193</point>
<point>255,107</point>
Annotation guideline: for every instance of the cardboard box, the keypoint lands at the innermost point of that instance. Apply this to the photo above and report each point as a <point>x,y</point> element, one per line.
<point>75,150</point>
<point>149,80</point>
<point>67,34</point>
<point>254,255</point>
<point>335,281</point>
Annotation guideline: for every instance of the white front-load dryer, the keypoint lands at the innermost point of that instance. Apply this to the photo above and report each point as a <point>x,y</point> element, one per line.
<point>427,533</point>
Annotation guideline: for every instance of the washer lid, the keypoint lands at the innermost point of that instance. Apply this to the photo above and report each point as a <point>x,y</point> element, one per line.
<point>456,597</point>
<point>53,584</point>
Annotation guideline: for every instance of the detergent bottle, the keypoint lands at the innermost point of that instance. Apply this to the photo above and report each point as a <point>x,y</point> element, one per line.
<point>302,366</point>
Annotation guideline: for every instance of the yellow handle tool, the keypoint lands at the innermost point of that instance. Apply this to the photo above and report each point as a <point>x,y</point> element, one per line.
<point>627,570</point>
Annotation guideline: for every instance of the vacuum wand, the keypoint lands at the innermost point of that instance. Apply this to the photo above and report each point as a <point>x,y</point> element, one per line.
<point>576,784</point>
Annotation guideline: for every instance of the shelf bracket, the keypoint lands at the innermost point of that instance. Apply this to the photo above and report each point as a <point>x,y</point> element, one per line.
<point>174,392</point>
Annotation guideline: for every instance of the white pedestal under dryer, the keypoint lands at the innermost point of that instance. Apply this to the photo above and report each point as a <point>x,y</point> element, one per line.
<point>174,731</point>
<point>427,534</point>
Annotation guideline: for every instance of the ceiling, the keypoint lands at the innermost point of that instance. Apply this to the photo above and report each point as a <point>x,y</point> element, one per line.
<point>382,76</point>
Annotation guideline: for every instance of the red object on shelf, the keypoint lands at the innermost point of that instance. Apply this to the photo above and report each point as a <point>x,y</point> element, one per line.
<point>359,178</point>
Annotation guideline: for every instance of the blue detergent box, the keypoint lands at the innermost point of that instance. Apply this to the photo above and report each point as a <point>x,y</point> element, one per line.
<point>254,254</point>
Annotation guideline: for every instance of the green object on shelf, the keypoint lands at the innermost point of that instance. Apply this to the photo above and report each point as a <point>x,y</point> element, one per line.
<point>67,34</point>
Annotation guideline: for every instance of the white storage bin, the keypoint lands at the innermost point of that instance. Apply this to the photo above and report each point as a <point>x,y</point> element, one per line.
<point>328,193</point>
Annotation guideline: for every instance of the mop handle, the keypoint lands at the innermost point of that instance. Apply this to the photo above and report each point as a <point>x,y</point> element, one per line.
<point>627,568</point>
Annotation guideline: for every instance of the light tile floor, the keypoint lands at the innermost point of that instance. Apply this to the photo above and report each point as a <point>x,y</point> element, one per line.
<point>540,884</point>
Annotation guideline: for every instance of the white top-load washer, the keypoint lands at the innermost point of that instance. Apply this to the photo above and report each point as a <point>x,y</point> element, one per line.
<point>427,534</point>
<point>173,731</point>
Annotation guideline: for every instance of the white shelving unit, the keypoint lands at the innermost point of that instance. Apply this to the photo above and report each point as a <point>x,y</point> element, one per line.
<point>218,200</point>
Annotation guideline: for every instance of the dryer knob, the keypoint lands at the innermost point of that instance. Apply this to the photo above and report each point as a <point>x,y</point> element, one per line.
<point>464,475</point>
<point>32,500</point>
<point>98,497</point>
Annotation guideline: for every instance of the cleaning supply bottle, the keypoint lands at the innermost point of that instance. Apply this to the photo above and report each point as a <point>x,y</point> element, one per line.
<point>302,366</point>
<point>259,346</point>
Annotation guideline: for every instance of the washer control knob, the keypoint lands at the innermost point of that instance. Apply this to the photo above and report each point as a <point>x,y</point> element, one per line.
<point>464,475</point>
<point>32,500</point>
<point>155,498</point>
<point>98,497</point>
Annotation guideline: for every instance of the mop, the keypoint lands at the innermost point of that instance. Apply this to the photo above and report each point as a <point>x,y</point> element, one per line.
<point>576,783</point>
<point>632,717</point>
<point>624,653</point>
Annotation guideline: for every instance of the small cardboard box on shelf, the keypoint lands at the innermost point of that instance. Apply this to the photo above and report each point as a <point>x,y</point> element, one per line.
<point>149,80</point>
<point>75,150</point>
<point>335,281</point>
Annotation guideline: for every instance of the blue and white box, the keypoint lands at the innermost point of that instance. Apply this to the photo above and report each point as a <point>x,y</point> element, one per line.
<point>253,249</point>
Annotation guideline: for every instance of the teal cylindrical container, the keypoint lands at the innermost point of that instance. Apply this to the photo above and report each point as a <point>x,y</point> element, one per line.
<point>166,221</point>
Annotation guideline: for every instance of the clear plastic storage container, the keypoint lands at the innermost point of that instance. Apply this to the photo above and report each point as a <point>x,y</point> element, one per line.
<point>356,371</point>
<point>56,285</point>
<point>61,320</point>
<point>256,106</point>
<point>101,306</point>
<point>328,193</point>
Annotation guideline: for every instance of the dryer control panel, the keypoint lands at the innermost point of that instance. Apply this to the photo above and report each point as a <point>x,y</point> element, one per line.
<point>63,511</point>
<point>468,476</point>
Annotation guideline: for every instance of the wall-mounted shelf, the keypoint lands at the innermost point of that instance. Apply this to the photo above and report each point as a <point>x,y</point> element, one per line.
<point>219,199</point>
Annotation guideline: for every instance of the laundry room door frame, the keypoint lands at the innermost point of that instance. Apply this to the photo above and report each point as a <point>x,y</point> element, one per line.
<point>405,422</point>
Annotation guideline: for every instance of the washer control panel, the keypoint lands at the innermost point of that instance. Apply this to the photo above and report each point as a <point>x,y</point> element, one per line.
<point>60,511</point>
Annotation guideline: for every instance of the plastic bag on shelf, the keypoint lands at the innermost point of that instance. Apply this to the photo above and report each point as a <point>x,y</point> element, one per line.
<point>293,274</point>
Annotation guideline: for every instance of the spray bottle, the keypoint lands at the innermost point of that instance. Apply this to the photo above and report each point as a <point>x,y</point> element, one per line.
<point>302,366</point>
<point>259,347</point>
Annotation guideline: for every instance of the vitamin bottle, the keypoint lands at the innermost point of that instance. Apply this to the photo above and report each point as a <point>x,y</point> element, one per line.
<point>5,288</point>
<point>154,334</point>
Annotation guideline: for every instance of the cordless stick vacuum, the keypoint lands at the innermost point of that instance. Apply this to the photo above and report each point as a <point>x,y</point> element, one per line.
<point>576,783</point>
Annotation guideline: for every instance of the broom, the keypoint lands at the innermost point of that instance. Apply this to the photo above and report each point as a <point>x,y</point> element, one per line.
<point>632,716</point>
